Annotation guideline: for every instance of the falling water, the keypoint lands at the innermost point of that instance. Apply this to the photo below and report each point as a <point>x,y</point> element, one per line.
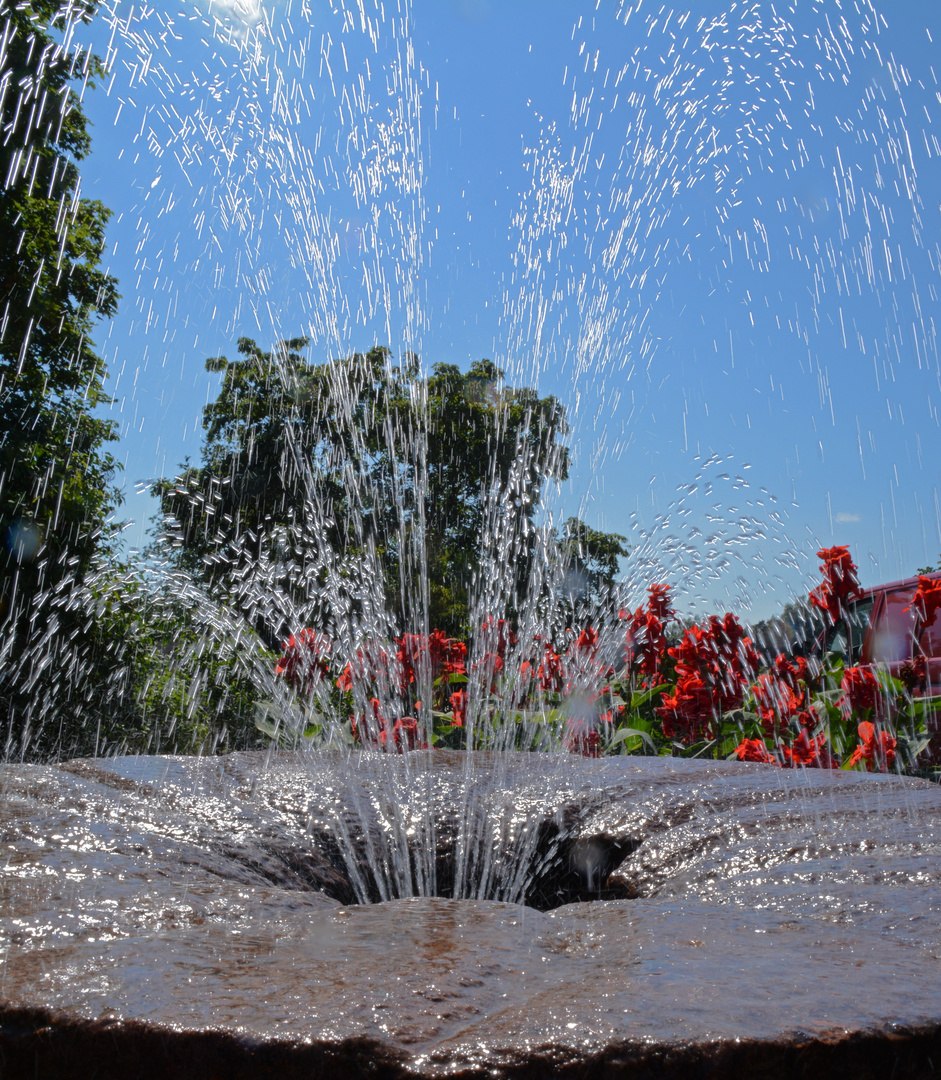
<point>759,160</point>
<point>281,160</point>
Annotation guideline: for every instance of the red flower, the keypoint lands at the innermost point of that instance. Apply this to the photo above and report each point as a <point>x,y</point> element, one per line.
<point>877,749</point>
<point>459,708</point>
<point>927,600</point>
<point>808,753</point>
<point>370,666</point>
<point>496,636</point>
<point>791,672</point>
<point>582,738</point>
<point>551,675</point>
<point>914,674</point>
<point>305,661</point>
<point>492,665</point>
<point>587,641</point>
<point>689,713</point>
<point>713,666</point>
<point>660,603</point>
<point>735,658</point>
<point>454,657</point>
<point>492,643</point>
<point>434,656</point>
<point>645,644</point>
<point>374,729</point>
<point>862,689</point>
<point>581,668</point>
<point>370,728</point>
<point>646,641</point>
<point>755,750</point>
<point>780,695</point>
<point>840,582</point>
<point>411,655</point>
<point>778,703</point>
<point>406,735</point>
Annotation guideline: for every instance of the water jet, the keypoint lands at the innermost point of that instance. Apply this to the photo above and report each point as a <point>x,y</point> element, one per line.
<point>169,915</point>
<point>509,915</point>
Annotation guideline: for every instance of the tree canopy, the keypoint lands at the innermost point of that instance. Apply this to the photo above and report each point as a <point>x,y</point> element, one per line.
<point>56,478</point>
<point>431,474</point>
<point>591,560</point>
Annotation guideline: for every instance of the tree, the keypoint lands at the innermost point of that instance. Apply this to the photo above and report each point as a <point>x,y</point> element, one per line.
<point>429,475</point>
<point>591,561</point>
<point>183,683</point>
<point>56,478</point>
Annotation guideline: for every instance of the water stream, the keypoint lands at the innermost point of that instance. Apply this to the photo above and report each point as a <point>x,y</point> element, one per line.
<point>770,909</point>
<point>711,239</point>
<point>285,167</point>
<point>690,190</point>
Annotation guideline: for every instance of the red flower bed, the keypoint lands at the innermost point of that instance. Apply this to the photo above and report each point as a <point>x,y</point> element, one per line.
<point>927,600</point>
<point>714,665</point>
<point>840,582</point>
<point>863,691</point>
<point>876,749</point>
<point>698,691</point>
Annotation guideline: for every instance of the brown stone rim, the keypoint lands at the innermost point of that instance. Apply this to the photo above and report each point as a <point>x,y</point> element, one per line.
<point>43,1045</point>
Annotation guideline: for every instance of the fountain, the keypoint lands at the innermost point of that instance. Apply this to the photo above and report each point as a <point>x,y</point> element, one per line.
<point>495,912</point>
<point>169,915</point>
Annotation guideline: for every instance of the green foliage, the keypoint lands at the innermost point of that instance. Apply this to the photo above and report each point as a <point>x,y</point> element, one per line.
<point>190,691</point>
<point>406,467</point>
<point>158,671</point>
<point>591,560</point>
<point>56,478</point>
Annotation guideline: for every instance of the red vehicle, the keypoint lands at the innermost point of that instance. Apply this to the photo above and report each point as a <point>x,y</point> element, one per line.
<point>883,628</point>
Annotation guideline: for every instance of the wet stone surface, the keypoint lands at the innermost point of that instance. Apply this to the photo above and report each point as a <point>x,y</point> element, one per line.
<point>169,916</point>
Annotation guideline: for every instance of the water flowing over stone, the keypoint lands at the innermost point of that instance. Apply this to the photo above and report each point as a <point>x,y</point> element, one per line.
<point>180,916</point>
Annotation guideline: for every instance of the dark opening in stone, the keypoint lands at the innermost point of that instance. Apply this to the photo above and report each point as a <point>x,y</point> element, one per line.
<point>563,869</point>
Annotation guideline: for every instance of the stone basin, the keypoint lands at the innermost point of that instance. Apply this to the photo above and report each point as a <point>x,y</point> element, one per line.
<point>194,918</point>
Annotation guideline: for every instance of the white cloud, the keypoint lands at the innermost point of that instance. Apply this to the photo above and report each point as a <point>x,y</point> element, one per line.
<point>246,12</point>
<point>847,519</point>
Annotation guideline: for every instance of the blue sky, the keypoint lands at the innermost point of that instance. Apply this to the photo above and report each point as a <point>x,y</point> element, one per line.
<point>712,232</point>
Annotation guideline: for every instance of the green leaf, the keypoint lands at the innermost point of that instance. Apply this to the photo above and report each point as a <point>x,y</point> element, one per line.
<point>453,679</point>
<point>630,746</point>
<point>264,725</point>
<point>641,724</point>
<point>642,697</point>
<point>727,747</point>
<point>839,744</point>
<point>889,684</point>
<point>923,707</point>
<point>625,733</point>
<point>700,748</point>
<point>916,746</point>
<point>552,716</point>
<point>829,696</point>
